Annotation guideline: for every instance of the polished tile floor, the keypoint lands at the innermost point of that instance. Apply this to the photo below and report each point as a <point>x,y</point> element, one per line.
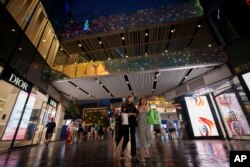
<point>96,153</point>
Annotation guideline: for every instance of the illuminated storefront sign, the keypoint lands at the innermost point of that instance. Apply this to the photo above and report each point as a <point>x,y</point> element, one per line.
<point>12,77</point>
<point>202,92</point>
<point>201,117</point>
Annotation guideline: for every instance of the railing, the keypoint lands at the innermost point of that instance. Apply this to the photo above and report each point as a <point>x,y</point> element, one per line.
<point>140,18</point>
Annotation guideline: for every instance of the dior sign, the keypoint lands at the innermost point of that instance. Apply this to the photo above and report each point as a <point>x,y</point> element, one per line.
<point>10,75</point>
<point>19,82</point>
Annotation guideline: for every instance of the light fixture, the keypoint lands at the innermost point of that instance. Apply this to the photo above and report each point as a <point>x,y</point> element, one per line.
<point>13,30</point>
<point>166,50</point>
<point>123,38</point>
<point>126,56</point>
<point>20,48</point>
<point>80,45</point>
<point>199,26</point>
<point>146,34</point>
<point>209,45</point>
<point>100,42</point>
<point>173,30</point>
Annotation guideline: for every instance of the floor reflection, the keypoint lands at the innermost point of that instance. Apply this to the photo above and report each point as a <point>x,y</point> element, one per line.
<point>164,152</point>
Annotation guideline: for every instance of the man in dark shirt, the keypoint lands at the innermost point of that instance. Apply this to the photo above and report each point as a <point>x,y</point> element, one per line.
<point>50,129</point>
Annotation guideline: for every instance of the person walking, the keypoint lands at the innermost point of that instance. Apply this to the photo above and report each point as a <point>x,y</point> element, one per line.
<point>171,127</point>
<point>144,134</point>
<point>80,132</point>
<point>50,129</point>
<point>130,110</point>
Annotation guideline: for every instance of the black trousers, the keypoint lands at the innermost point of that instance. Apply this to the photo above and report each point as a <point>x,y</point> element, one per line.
<point>132,129</point>
<point>118,134</point>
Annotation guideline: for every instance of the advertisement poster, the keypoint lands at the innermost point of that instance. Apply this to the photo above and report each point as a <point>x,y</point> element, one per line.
<point>15,116</point>
<point>232,114</point>
<point>26,117</point>
<point>201,116</point>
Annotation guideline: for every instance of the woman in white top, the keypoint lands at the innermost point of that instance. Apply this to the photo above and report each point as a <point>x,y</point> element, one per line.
<point>144,134</point>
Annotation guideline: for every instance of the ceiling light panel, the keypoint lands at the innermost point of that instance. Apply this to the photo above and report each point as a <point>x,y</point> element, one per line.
<point>116,85</point>
<point>141,83</point>
<point>92,87</point>
<point>168,80</point>
<point>197,72</point>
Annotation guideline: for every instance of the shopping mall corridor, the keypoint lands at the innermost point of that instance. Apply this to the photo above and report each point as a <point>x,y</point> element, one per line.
<point>96,153</point>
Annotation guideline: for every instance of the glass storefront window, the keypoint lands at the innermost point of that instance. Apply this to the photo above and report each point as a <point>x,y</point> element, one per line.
<point>28,132</point>
<point>8,96</point>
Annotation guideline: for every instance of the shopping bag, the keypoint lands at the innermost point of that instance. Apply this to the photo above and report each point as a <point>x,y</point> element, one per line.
<point>157,117</point>
<point>153,117</point>
<point>124,118</point>
<point>150,117</point>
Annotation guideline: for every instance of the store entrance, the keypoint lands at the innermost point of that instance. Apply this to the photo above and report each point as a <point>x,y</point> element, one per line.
<point>48,112</point>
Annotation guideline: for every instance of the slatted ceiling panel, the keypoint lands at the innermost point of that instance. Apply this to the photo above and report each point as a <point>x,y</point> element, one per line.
<point>99,55</point>
<point>152,39</point>
<point>95,43</point>
<point>141,83</point>
<point>116,85</point>
<point>203,37</point>
<point>201,41</point>
<point>72,47</point>
<point>197,72</point>
<point>66,87</point>
<point>114,40</point>
<point>168,80</point>
<point>142,39</point>
<point>60,60</point>
<point>178,44</point>
<point>91,86</point>
<point>174,35</point>
<point>129,51</point>
<point>187,29</point>
<point>204,30</point>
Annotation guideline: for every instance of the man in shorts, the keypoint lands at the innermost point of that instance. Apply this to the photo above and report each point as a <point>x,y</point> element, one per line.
<point>50,129</point>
